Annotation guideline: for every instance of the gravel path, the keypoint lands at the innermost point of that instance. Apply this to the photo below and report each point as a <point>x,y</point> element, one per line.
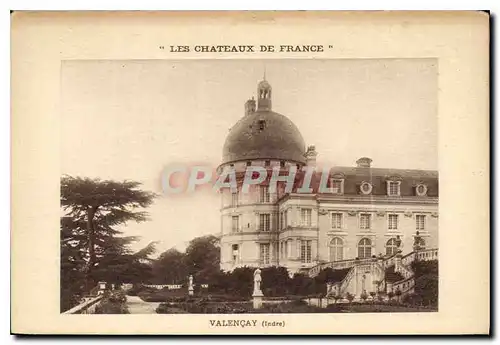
<point>138,306</point>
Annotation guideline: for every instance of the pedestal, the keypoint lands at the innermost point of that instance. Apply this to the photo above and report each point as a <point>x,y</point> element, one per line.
<point>257,299</point>
<point>191,291</point>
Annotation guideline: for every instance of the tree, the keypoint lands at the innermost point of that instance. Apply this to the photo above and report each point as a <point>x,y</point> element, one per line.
<point>170,268</point>
<point>275,281</point>
<point>72,279</point>
<point>426,287</point>
<point>203,258</point>
<point>126,267</point>
<point>93,209</point>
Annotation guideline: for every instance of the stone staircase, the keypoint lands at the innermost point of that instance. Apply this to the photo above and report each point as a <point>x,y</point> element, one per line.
<point>368,275</point>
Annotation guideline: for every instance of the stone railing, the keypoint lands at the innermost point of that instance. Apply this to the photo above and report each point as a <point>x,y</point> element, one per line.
<point>402,265</point>
<point>162,286</point>
<point>88,306</point>
<point>346,281</point>
<point>171,286</point>
<point>336,265</point>
<point>407,284</point>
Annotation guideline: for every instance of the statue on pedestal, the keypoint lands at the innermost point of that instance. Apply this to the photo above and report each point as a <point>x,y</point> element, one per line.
<point>256,282</point>
<point>190,286</point>
<point>398,244</point>
<point>417,242</point>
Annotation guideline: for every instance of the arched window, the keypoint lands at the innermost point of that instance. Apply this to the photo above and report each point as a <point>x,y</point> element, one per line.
<point>391,247</point>
<point>336,249</point>
<point>364,248</point>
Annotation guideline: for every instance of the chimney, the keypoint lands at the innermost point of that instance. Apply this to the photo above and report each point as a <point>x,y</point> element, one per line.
<point>364,162</point>
<point>250,106</point>
<point>311,155</point>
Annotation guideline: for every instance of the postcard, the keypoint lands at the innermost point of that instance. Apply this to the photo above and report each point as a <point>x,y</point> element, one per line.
<point>250,173</point>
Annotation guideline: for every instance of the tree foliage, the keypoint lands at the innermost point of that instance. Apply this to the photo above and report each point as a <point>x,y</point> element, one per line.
<point>427,281</point>
<point>92,248</point>
<point>170,268</point>
<point>201,259</point>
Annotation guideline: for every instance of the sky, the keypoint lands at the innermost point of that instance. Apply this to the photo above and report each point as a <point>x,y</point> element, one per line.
<point>129,119</point>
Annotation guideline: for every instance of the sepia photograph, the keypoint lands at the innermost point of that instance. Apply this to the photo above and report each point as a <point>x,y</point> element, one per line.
<point>250,172</point>
<point>217,186</point>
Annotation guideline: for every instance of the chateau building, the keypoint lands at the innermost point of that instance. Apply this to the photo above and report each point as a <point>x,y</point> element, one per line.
<point>363,212</point>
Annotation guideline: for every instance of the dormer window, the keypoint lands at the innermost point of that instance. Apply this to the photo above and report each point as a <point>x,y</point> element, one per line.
<point>393,188</point>
<point>421,190</point>
<point>366,188</point>
<point>262,125</point>
<point>337,186</point>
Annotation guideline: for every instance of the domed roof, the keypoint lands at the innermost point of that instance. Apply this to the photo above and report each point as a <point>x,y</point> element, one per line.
<point>264,84</point>
<point>264,134</point>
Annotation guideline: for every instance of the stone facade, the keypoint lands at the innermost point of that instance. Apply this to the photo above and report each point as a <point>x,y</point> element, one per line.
<point>365,211</point>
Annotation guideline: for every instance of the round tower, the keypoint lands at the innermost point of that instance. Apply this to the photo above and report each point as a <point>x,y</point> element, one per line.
<point>249,221</point>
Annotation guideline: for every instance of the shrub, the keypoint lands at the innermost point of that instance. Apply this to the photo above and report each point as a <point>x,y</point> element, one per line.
<point>292,307</point>
<point>275,281</point>
<point>167,308</point>
<point>349,297</point>
<point>136,289</point>
<point>113,303</point>
<point>412,300</point>
<point>117,296</point>
<point>334,308</point>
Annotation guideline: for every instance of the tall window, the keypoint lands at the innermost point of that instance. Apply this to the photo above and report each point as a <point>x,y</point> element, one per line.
<point>336,249</point>
<point>264,253</point>
<point>393,188</point>
<point>336,220</point>
<point>264,194</point>
<point>393,222</point>
<point>420,221</point>
<point>391,247</point>
<point>236,253</point>
<point>365,221</point>
<point>305,216</point>
<point>282,249</point>
<point>235,223</point>
<point>364,248</point>
<point>337,186</point>
<point>264,222</point>
<point>305,252</point>
<point>234,199</point>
